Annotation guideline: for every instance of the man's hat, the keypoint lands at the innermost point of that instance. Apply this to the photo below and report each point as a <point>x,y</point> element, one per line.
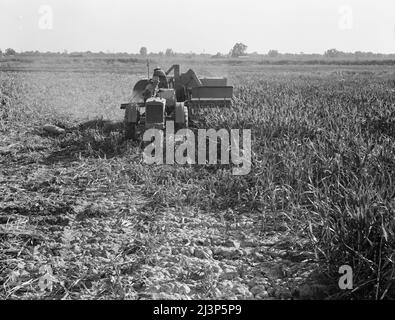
<point>159,72</point>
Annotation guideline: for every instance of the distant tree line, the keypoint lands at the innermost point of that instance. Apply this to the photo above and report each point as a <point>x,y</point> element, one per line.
<point>239,50</point>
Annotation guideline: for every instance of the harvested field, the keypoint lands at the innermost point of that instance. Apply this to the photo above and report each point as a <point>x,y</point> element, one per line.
<point>82,216</point>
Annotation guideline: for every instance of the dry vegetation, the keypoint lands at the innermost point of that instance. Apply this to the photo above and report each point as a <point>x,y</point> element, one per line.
<point>81,216</point>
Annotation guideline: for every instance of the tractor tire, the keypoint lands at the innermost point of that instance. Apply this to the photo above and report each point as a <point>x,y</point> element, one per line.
<point>131,131</point>
<point>186,119</point>
<point>185,124</point>
<point>181,95</point>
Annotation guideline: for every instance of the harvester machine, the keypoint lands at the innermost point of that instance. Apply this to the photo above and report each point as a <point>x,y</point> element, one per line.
<point>172,96</point>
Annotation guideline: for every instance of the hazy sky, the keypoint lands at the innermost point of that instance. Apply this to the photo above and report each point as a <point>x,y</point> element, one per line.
<point>200,25</point>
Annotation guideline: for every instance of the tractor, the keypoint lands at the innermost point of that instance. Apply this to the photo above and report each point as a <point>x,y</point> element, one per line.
<point>172,96</point>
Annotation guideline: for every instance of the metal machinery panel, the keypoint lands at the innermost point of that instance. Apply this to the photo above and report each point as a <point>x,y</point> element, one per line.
<point>214,82</point>
<point>217,92</point>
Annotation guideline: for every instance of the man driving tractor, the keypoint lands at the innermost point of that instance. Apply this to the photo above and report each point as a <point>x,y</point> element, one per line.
<point>159,81</point>
<point>161,75</point>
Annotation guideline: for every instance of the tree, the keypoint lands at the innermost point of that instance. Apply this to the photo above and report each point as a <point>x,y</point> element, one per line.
<point>1,52</point>
<point>169,52</point>
<point>217,55</point>
<point>10,52</point>
<point>332,53</point>
<point>143,51</point>
<point>273,53</point>
<point>239,49</point>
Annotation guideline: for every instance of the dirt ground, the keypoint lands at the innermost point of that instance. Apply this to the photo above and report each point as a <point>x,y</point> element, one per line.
<point>71,229</point>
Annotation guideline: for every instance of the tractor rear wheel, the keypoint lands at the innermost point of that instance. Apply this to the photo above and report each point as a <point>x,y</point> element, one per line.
<point>131,130</point>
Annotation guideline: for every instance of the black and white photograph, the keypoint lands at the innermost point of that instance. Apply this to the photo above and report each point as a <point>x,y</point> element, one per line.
<point>179,151</point>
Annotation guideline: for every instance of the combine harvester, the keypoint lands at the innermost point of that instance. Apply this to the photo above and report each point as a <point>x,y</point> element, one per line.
<point>172,98</point>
